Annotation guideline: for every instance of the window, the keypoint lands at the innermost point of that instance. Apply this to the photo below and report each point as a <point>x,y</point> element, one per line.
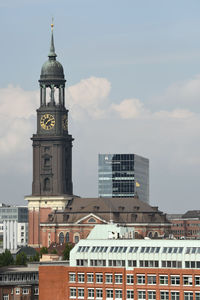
<point>90,293</point>
<point>90,277</point>
<point>197,280</point>
<point>118,294</point>
<point>129,279</point>
<point>129,294</point>
<point>197,296</point>
<point>109,294</point>
<point>99,278</point>
<point>188,295</point>
<point>118,278</point>
<point>187,280</point>
<point>67,237</point>
<point>36,291</point>
<point>17,291</point>
<point>151,279</point>
<point>140,279</point>
<point>175,280</point>
<point>25,291</point>
<point>72,293</point>
<point>151,295</point>
<point>99,293</point>
<point>61,238</point>
<point>175,295</point>
<point>108,278</point>
<point>81,277</point>
<point>164,295</point>
<point>76,239</point>
<point>5,297</point>
<point>80,293</point>
<point>72,277</point>
<point>141,295</point>
<point>163,279</point>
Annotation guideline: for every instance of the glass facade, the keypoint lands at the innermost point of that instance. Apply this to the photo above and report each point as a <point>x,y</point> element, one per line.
<point>123,175</point>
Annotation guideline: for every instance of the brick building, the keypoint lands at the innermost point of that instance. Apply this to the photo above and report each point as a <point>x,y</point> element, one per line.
<point>186,226</point>
<point>113,268</point>
<point>19,283</point>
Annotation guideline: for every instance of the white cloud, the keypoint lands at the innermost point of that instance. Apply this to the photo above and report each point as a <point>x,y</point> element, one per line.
<point>170,138</point>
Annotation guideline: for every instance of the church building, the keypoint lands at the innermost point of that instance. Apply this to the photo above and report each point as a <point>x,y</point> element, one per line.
<point>55,214</point>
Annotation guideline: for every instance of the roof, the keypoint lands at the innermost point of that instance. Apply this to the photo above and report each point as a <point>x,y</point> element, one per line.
<point>119,210</point>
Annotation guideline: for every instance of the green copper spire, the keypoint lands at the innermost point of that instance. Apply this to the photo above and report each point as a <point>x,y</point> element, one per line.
<point>52,55</point>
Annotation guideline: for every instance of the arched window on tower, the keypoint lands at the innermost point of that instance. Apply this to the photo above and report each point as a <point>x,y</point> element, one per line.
<point>46,184</point>
<point>67,237</point>
<point>61,238</point>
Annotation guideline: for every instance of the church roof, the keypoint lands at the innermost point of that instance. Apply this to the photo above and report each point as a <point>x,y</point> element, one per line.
<point>119,210</point>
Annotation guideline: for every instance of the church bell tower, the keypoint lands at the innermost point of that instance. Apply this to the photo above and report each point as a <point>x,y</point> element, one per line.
<point>52,150</point>
<point>52,144</point>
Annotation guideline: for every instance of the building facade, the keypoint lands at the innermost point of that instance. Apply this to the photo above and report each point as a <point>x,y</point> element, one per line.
<point>19,283</point>
<point>186,226</point>
<point>119,269</point>
<point>123,175</point>
<point>14,223</point>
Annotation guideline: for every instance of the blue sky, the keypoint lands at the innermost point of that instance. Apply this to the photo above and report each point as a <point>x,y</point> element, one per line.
<point>138,65</point>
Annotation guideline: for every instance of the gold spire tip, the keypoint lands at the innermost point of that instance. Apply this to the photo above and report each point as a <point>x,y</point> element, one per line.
<point>52,24</point>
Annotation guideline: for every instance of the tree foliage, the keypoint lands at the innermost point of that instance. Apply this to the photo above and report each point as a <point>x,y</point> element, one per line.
<point>68,248</point>
<point>43,250</point>
<point>21,259</point>
<point>6,258</point>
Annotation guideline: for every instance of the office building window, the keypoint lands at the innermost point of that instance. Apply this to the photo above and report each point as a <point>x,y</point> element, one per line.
<point>25,291</point>
<point>129,279</point>
<point>36,291</point>
<point>109,294</point>
<point>108,278</point>
<point>164,295</point>
<point>99,293</point>
<point>163,279</point>
<point>197,280</point>
<point>130,294</point>
<point>80,293</point>
<point>197,296</point>
<point>81,277</point>
<point>90,278</point>
<point>99,278</point>
<point>151,279</point>
<point>141,295</point>
<point>175,280</point>
<point>72,293</point>
<point>187,280</point>
<point>140,279</point>
<point>188,295</point>
<point>118,294</point>
<point>175,295</point>
<point>5,297</point>
<point>17,291</point>
<point>151,295</point>
<point>90,293</point>
<point>72,277</point>
<point>118,278</point>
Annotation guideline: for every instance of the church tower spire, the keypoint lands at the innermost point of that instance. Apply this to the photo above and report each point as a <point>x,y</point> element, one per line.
<point>52,144</point>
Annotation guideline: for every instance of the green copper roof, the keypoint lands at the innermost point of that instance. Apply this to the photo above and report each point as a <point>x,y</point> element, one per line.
<point>52,69</point>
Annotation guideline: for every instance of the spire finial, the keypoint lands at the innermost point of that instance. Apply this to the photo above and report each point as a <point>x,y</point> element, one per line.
<point>52,24</point>
<point>52,54</point>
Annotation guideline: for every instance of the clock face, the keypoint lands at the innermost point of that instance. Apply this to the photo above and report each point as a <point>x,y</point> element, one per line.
<point>65,122</point>
<point>47,121</point>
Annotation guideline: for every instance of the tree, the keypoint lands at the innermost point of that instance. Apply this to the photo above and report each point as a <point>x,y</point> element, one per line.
<point>54,251</point>
<point>68,248</point>
<point>43,250</point>
<point>36,257</point>
<point>6,258</point>
<point>21,259</point>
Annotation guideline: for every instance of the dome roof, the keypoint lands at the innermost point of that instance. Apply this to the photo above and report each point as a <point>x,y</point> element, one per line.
<point>52,69</point>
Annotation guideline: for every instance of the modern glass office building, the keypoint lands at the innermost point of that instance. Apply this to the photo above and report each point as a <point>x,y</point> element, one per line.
<point>123,175</point>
